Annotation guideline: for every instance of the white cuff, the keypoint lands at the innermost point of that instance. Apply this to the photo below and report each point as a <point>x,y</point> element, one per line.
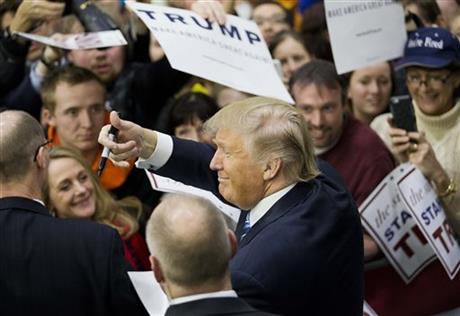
<point>160,155</point>
<point>35,78</point>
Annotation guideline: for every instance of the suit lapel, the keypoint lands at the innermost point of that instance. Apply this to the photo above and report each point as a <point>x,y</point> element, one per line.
<point>298,193</point>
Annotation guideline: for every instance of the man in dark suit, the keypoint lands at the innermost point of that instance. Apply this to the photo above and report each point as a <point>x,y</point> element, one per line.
<point>50,266</point>
<point>300,248</point>
<point>191,248</point>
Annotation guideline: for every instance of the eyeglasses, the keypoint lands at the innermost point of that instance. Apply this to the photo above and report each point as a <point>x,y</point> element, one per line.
<point>434,81</point>
<point>38,148</point>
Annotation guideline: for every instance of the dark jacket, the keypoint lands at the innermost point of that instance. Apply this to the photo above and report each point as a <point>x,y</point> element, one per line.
<point>51,266</point>
<point>12,63</point>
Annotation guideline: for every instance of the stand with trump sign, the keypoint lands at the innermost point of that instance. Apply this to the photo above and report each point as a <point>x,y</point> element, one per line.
<point>406,219</point>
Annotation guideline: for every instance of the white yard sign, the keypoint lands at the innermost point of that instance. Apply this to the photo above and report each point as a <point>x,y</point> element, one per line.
<point>365,32</point>
<point>389,222</point>
<point>406,219</point>
<point>428,212</point>
<point>233,54</point>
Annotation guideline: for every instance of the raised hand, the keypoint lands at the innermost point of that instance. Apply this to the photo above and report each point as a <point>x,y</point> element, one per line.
<point>32,11</point>
<point>132,141</point>
<point>210,9</point>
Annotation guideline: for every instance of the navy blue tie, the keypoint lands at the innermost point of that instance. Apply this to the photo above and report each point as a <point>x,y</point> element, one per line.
<point>246,227</point>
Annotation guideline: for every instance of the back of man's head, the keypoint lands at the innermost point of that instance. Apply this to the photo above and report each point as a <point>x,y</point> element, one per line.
<point>272,129</point>
<point>189,238</point>
<point>20,137</point>
<point>71,75</point>
<point>320,73</point>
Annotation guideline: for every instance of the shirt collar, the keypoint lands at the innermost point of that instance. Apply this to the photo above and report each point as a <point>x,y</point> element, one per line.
<point>190,298</point>
<point>266,203</point>
<point>39,201</point>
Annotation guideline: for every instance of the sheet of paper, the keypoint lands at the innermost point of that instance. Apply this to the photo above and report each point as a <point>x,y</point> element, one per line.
<point>168,185</point>
<point>390,223</point>
<point>233,55</point>
<point>365,32</point>
<point>428,211</point>
<point>368,310</point>
<point>81,40</point>
<point>150,292</point>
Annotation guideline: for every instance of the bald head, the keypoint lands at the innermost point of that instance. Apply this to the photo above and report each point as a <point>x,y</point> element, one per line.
<point>189,237</point>
<point>20,136</point>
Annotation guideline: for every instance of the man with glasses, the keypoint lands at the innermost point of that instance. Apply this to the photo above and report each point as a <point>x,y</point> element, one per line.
<point>50,266</point>
<point>271,18</point>
<point>431,60</point>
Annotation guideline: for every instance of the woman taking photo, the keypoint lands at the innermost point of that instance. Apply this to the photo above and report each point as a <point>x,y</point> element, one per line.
<point>432,63</point>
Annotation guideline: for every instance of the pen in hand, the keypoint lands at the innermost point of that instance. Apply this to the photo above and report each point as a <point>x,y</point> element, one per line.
<point>106,151</point>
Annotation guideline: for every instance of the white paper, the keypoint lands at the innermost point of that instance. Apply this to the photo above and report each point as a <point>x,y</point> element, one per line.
<point>429,213</point>
<point>368,310</point>
<point>390,223</point>
<point>150,292</point>
<point>81,40</point>
<point>233,55</point>
<point>365,32</point>
<point>168,185</point>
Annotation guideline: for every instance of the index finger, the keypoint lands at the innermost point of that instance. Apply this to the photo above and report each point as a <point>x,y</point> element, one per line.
<point>394,131</point>
<point>104,139</point>
<point>218,12</point>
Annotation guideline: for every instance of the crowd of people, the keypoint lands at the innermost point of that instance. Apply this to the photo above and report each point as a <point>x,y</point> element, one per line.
<point>298,173</point>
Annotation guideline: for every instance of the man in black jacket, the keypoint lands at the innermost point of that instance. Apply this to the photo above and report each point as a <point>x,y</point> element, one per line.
<point>50,266</point>
<point>192,248</point>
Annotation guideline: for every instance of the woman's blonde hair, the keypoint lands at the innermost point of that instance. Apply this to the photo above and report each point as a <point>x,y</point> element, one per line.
<point>108,210</point>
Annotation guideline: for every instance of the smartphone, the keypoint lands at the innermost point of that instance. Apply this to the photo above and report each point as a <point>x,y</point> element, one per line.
<point>403,113</point>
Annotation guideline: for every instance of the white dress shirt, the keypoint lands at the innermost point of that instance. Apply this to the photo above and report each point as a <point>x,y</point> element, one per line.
<point>258,211</point>
<point>190,298</point>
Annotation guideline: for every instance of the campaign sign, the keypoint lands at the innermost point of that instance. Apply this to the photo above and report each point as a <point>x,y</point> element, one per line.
<point>390,223</point>
<point>365,32</point>
<point>233,54</point>
<point>427,210</point>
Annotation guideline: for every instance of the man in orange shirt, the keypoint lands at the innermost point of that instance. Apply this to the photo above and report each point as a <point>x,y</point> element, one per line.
<point>74,108</point>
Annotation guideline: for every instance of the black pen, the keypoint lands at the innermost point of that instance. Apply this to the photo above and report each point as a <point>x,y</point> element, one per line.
<point>106,151</point>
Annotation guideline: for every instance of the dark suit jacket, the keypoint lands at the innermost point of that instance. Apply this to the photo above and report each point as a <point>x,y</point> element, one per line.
<point>214,306</point>
<point>51,266</point>
<point>303,257</point>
